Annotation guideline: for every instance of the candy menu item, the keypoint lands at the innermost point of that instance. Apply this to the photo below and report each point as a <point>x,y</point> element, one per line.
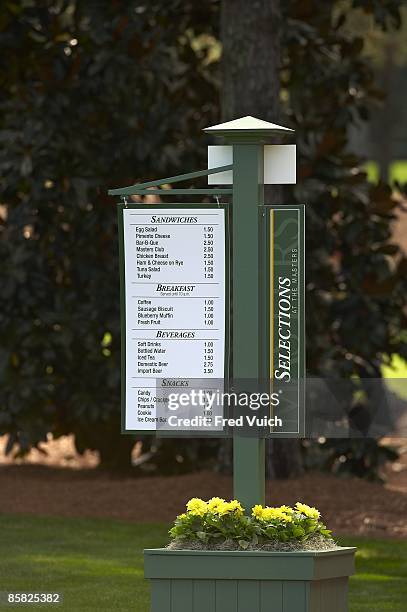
<point>175,311</point>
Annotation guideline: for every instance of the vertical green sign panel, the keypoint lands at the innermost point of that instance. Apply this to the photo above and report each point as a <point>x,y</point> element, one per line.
<point>285,230</point>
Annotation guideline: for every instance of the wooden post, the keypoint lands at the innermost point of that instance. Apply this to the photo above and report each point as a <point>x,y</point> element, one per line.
<point>247,137</point>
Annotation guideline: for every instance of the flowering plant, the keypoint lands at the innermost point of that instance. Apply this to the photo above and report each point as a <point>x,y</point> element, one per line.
<point>217,521</point>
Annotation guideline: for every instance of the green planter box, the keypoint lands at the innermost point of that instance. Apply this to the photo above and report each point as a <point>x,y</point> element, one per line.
<point>246,581</point>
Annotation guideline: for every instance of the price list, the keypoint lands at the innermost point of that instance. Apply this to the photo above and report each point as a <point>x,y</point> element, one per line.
<point>175,312</point>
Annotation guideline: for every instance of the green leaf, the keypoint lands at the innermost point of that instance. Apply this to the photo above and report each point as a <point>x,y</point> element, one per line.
<point>325,532</point>
<point>298,532</point>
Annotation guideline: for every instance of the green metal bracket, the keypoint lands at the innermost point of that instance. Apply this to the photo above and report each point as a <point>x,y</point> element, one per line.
<point>173,192</point>
<point>144,188</point>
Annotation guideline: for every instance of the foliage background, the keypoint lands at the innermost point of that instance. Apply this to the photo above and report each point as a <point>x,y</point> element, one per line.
<point>102,94</point>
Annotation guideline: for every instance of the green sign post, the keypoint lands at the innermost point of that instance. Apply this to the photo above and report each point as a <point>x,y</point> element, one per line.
<point>253,291</point>
<point>261,243</point>
<point>250,340</point>
<point>263,298</point>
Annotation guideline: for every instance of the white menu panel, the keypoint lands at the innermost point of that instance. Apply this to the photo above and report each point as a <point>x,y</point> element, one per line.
<point>175,310</point>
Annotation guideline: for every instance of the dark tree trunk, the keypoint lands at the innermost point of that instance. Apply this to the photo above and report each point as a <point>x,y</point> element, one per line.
<point>382,126</point>
<point>283,458</point>
<point>251,58</point>
<point>251,86</point>
<point>114,448</point>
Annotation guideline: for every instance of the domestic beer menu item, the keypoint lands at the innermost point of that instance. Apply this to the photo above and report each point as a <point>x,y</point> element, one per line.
<point>174,311</point>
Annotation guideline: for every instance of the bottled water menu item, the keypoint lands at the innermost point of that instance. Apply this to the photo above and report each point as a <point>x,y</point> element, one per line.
<point>174,279</point>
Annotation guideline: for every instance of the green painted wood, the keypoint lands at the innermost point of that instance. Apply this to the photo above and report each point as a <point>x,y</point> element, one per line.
<point>253,581</point>
<point>295,596</point>
<point>342,594</point>
<point>248,162</point>
<point>169,180</point>
<point>248,596</point>
<point>271,596</point>
<point>249,471</point>
<point>248,195</point>
<point>172,192</point>
<point>329,595</point>
<point>343,564</point>
<point>161,596</point>
<point>284,229</point>
<point>226,596</point>
<point>247,565</point>
<point>204,595</point>
<point>181,595</point>
<point>315,597</point>
<point>122,316</point>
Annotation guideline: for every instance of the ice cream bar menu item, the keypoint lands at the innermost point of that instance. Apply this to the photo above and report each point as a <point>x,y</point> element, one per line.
<point>174,308</point>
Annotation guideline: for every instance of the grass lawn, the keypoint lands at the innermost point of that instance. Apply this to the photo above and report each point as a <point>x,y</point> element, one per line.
<point>397,171</point>
<point>396,376</point>
<point>98,564</point>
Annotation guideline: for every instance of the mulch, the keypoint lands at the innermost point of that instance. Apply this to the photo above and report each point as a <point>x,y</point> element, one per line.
<point>348,505</point>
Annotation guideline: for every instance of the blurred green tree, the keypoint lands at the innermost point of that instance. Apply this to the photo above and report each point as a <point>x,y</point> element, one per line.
<point>103,94</point>
<point>93,95</point>
<point>356,278</point>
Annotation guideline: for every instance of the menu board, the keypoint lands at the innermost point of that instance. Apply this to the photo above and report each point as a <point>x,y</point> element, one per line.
<point>174,303</point>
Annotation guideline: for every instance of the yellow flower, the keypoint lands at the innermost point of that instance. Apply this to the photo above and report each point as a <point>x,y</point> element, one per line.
<point>286,509</point>
<point>271,514</point>
<point>286,517</point>
<point>197,507</point>
<point>268,514</point>
<point>222,509</point>
<point>235,506</point>
<point>182,516</point>
<point>307,510</point>
<point>214,503</point>
<point>228,507</point>
<point>257,511</point>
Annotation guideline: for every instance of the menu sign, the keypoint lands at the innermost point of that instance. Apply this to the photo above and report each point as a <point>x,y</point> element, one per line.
<point>174,309</point>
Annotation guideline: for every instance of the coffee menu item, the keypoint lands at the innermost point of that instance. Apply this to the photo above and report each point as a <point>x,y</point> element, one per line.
<point>175,311</point>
